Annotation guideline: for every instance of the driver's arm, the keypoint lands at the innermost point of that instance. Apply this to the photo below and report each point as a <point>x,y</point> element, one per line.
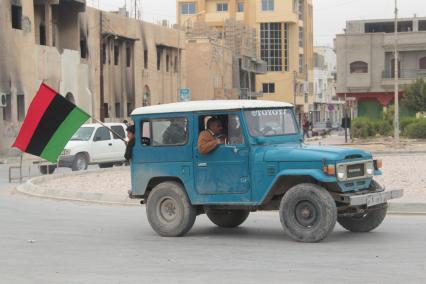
<point>207,143</point>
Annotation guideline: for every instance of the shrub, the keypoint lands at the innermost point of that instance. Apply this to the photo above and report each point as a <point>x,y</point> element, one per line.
<point>363,128</point>
<point>405,121</point>
<point>416,130</point>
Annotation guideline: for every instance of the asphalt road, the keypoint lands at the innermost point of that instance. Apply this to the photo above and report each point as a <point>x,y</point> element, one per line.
<point>47,241</point>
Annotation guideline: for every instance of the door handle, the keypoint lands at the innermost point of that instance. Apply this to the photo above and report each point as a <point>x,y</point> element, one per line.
<point>109,144</point>
<point>202,165</point>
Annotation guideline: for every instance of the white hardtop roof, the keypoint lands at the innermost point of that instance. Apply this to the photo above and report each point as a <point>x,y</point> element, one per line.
<point>208,105</point>
<point>106,123</point>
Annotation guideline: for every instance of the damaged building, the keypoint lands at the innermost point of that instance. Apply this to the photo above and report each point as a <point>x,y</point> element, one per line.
<point>104,62</point>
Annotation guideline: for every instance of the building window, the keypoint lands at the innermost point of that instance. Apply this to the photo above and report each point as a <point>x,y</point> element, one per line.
<point>167,63</point>
<point>268,88</point>
<point>117,110</point>
<point>422,63</point>
<point>83,48</point>
<point>296,6</point>
<point>106,110</point>
<point>104,53</point>
<point>240,7</point>
<point>301,9</point>
<point>129,108</point>
<point>16,17</point>
<point>222,7</point>
<point>145,58</point>
<point>301,36</point>
<point>286,51</point>
<point>422,25</point>
<point>128,55</point>
<point>116,53</point>
<point>7,110</point>
<point>270,45</point>
<point>358,67</point>
<point>176,64</point>
<point>42,36</point>
<point>159,53</point>
<point>301,63</point>
<point>187,8</point>
<point>21,107</point>
<point>267,5</point>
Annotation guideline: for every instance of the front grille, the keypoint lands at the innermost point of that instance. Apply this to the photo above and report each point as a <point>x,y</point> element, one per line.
<point>356,170</point>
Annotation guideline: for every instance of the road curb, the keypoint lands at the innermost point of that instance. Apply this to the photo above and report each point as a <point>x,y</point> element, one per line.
<point>33,187</point>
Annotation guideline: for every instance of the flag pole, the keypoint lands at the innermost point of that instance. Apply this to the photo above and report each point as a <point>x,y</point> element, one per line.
<point>112,131</point>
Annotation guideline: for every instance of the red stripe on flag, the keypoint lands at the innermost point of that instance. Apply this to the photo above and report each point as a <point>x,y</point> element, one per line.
<point>38,106</point>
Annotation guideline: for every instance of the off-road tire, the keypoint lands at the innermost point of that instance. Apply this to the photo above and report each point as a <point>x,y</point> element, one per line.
<point>80,162</point>
<point>308,213</point>
<point>366,222</point>
<point>227,218</point>
<point>169,210</point>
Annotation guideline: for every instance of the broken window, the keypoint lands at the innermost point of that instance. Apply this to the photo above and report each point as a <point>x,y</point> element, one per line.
<point>7,110</point>
<point>128,55</point>
<point>16,17</point>
<point>116,53</point>
<point>145,58</point>
<point>20,99</point>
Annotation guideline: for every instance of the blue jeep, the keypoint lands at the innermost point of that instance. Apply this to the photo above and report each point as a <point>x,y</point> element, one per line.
<point>262,164</point>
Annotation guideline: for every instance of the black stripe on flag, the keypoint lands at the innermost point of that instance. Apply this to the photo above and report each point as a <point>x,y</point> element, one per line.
<point>52,118</point>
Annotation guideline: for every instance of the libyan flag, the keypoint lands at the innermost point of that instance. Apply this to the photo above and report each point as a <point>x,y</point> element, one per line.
<point>50,122</point>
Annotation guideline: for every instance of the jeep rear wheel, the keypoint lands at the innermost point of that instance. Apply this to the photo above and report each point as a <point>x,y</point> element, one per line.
<point>227,218</point>
<point>308,213</point>
<point>366,222</point>
<point>169,210</point>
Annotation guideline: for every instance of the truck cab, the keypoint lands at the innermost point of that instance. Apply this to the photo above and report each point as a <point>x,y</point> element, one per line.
<point>261,164</point>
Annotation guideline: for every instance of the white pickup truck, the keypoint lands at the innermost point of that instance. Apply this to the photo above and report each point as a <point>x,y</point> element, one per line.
<point>92,144</point>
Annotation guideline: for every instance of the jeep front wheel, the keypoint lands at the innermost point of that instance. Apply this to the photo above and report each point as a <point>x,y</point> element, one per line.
<point>366,222</point>
<point>307,213</point>
<point>169,210</point>
<point>227,218</point>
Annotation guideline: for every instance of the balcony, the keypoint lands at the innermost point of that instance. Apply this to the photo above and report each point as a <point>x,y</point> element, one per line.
<point>246,95</point>
<point>406,76</point>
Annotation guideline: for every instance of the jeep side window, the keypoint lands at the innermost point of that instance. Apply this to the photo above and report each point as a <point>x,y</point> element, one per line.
<point>145,133</point>
<point>102,134</point>
<point>119,130</point>
<point>169,131</point>
<point>231,124</point>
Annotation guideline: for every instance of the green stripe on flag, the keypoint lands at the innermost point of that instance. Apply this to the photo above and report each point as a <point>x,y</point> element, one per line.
<point>63,134</point>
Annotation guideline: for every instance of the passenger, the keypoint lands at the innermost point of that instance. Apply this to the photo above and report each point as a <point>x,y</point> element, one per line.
<point>130,143</point>
<point>213,136</point>
<point>175,134</point>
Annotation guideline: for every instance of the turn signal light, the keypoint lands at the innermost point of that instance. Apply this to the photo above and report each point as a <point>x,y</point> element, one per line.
<point>378,164</point>
<point>329,170</point>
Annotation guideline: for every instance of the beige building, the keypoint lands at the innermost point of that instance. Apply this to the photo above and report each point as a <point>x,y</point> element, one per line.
<point>365,62</point>
<point>63,42</point>
<point>284,40</point>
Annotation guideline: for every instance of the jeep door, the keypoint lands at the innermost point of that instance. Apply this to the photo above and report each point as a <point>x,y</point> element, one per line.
<point>225,170</point>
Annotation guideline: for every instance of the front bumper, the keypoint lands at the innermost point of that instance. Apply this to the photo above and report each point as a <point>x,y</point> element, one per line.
<point>369,199</point>
<point>66,161</point>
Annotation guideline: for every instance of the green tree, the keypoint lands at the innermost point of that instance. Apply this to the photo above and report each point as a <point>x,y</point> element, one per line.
<point>415,96</point>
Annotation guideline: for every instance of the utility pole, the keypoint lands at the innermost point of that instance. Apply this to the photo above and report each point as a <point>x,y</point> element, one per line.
<point>101,70</point>
<point>396,77</point>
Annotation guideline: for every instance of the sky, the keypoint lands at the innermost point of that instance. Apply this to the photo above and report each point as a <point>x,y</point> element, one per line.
<point>330,16</point>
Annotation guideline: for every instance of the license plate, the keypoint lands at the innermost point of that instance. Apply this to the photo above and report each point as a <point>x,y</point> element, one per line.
<point>375,199</point>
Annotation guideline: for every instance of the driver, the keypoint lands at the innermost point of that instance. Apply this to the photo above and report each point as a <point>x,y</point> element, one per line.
<point>213,136</point>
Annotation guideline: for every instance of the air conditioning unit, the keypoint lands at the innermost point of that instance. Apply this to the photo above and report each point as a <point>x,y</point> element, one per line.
<point>3,100</point>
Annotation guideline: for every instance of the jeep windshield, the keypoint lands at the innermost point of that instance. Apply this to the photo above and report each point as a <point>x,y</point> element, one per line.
<point>83,134</point>
<point>270,122</point>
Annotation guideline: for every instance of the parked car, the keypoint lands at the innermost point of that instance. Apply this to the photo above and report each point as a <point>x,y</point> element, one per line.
<point>92,144</point>
<point>265,167</point>
<point>321,129</point>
